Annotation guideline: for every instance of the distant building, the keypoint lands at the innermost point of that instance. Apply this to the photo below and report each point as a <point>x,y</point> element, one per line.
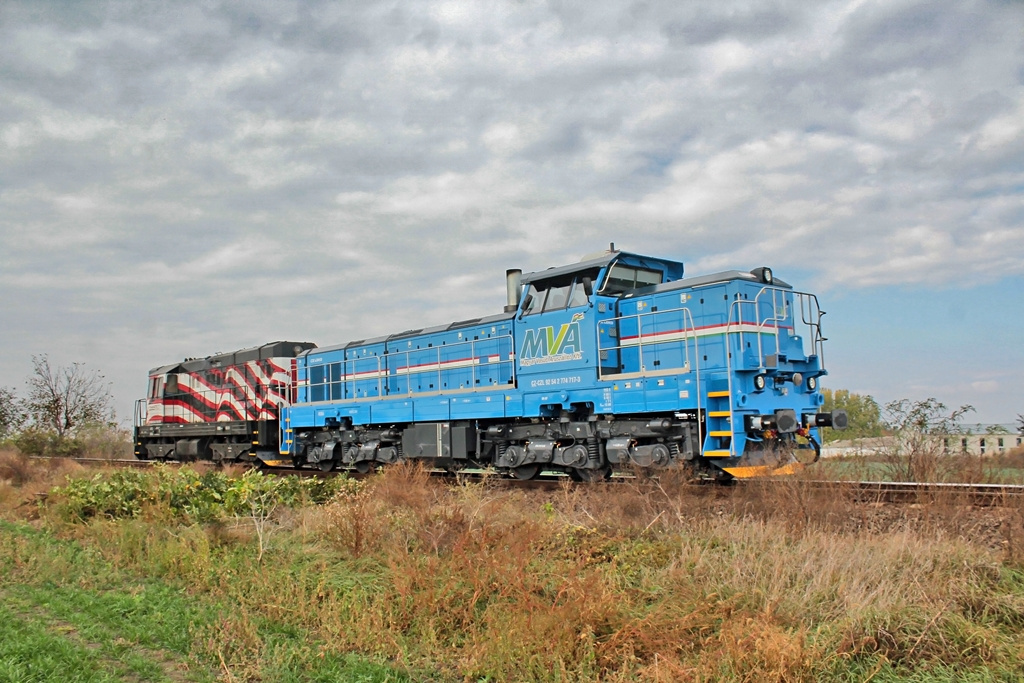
<point>975,444</point>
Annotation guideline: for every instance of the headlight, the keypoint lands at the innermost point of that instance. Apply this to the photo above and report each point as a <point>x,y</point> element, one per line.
<point>812,383</point>
<point>759,382</point>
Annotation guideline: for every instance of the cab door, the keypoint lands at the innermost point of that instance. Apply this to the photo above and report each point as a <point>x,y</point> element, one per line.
<point>609,339</point>
<point>555,335</point>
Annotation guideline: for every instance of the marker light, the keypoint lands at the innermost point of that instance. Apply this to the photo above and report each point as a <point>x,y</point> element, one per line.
<point>764,274</point>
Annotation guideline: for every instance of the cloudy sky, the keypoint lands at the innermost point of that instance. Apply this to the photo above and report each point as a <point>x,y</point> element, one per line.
<point>178,179</point>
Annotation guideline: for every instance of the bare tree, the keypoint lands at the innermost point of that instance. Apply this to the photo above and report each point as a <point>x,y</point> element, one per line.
<point>920,432</point>
<point>1020,424</point>
<point>12,413</point>
<point>66,398</point>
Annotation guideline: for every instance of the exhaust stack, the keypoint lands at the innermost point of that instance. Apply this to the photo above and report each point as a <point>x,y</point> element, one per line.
<point>513,289</point>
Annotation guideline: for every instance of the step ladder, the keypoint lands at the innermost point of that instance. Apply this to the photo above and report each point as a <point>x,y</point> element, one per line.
<point>719,436</point>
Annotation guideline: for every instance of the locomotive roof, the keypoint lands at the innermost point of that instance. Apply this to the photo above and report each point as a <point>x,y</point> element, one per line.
<point>593,263</point>
<point>556,271</point>
<point>702,281</point>
<point>277,349</point>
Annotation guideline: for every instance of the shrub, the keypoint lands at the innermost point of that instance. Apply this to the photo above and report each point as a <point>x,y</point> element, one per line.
<point>33,441</point>
<point>98,441</point>
<point>15,468</point>
<point>105,441</point>
<point>186,494</point>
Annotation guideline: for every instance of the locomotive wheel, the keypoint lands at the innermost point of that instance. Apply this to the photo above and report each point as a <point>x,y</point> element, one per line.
<point>524,472</point>
<point>326,465</point>
<point>363,466</point>
<point>587,476</point>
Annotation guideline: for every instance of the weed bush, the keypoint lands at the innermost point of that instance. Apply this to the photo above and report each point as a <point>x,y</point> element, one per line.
<point>35,441</point>
<point>97,441</point>
<point>186,494</point>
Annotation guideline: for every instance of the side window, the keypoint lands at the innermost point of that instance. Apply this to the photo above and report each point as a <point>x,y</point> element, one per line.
<point>620,279</point>
<point>154,388</point>
<point>626,278</point>
<point>645,278</point>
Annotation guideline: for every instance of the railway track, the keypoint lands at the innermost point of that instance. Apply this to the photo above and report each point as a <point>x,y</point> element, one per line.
<point>920,492</point>
<point>985,495</point>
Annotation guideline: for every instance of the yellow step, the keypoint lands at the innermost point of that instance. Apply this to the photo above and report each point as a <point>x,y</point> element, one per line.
<point>718,394</point>
<point>719,413</point>
<point>717,454</point>
<point>720,433</point>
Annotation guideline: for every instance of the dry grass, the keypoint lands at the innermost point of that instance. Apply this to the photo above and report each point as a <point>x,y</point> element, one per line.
<point>659,581</point>
<point>24,480</point>
<point>656,580</point>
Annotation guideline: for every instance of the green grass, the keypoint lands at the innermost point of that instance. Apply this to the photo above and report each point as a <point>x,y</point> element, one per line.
<point>856,468</point>
<point>31,652</point>
<point>995,469</point>
<point>68,614</point>
<point>132,633</point>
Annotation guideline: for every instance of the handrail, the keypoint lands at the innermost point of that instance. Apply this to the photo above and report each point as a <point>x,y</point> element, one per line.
<point>689,330</point>
<point>810,316</point>
<point>813,310</point>
<point>387,367</point>
<point>141,412</point>
<point>472,362</point>
<point>689,333</point>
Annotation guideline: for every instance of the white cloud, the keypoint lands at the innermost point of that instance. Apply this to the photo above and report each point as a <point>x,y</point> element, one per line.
<point>1003,130</point>
<point>902,116</point>
<point>166,165</point>
<point>990,386</point>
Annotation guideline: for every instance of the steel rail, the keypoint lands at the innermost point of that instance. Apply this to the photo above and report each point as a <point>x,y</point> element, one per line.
<point>911,492</point>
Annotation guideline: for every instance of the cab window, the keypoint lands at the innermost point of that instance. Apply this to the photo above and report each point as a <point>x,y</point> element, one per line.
<point>623,278</point>
<point>533,301</point>
<point>579,295</point>
<point>557,298</point>
<point>557,295</point>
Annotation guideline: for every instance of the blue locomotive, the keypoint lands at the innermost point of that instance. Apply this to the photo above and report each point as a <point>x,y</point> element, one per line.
<point>616,361</point>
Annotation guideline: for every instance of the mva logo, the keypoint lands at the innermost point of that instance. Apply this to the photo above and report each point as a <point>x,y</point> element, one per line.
<point>542,345</point>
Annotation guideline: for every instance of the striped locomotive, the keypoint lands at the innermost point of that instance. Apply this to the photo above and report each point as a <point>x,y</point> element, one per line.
<point>222,407</point>
<point>615,362</point>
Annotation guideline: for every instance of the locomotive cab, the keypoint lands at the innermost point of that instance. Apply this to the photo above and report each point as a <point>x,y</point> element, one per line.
<point>712,370</point>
